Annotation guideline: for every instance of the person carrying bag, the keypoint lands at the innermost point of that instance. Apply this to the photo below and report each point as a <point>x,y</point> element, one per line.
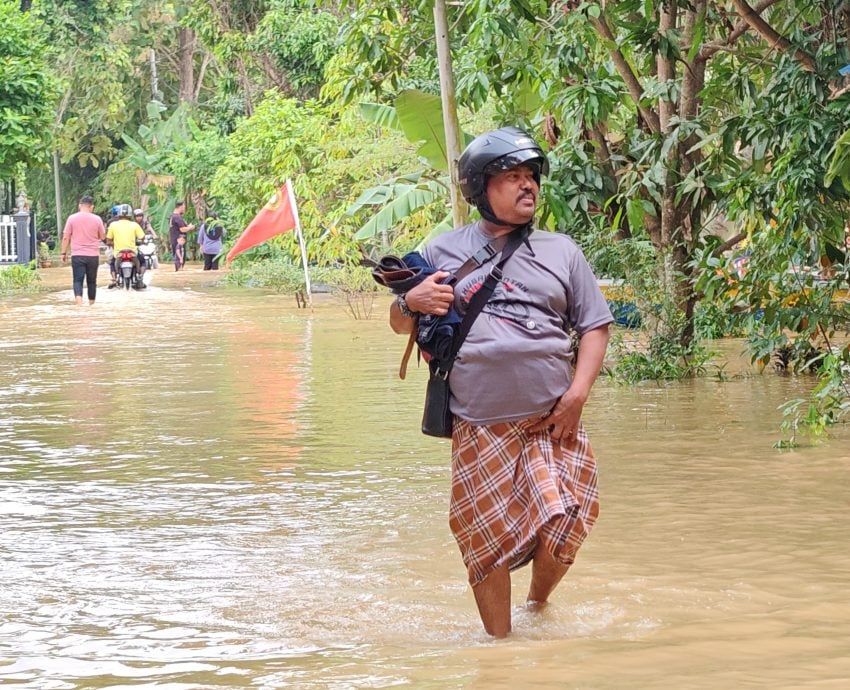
<point>523,473</point>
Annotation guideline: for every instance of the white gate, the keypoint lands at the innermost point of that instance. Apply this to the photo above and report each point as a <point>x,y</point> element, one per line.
<point>8,240</point>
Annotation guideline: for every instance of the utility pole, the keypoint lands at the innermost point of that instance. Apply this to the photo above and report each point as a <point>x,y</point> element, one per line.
<point>154,78</point>
<point>450,120</point>
<point>58,195</point>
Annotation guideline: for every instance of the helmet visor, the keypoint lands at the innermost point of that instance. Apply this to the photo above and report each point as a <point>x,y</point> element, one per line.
<point>529,157</point>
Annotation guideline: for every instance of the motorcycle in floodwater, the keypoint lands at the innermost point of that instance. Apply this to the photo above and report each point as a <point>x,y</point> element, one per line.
<point>125,270</point>
<point>148,258</point>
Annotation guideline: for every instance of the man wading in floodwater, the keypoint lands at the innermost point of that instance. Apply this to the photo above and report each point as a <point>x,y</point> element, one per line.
<point>523,473</point>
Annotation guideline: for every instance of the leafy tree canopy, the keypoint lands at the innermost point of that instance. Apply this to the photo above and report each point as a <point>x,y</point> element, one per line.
<point>27,92</point>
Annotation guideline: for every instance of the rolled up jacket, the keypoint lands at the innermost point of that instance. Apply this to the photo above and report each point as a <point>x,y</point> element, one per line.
<point>434,333</point>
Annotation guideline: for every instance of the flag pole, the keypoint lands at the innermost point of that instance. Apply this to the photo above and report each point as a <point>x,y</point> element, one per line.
<point>300,240</point>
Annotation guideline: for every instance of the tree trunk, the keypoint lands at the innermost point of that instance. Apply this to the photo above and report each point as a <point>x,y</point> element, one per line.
<point>246,87</point>
<point>450,120</point>
<point>199,82</point>
<point>186,39</point>
<point>845,21</point>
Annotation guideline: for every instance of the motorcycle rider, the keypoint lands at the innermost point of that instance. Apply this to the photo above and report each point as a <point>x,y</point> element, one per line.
<point>144,223</point>
<point>147,227</point>
<point>122,235</point>
<point>113,215</point>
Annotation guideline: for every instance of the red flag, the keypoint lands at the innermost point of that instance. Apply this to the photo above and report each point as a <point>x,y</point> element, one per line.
<point>276,217</point>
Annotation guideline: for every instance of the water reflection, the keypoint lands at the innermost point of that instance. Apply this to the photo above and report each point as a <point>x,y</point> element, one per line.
<point>233,493</point>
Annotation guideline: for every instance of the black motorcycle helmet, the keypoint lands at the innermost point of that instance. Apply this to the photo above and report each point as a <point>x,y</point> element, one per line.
<point>493,152</point>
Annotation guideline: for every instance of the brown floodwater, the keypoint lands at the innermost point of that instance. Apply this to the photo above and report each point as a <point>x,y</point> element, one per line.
<point>213,489</point>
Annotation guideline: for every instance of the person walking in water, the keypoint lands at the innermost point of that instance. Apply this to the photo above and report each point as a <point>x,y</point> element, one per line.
<point>210,235</point>
<point>180,252</point>
<point>178,227</point>
<point>83,233</point>
<point>523,472</point>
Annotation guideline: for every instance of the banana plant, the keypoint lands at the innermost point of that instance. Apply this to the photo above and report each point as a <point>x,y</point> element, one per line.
<point>398,198</point>
<point>419,116</point>
<point>150,154</point>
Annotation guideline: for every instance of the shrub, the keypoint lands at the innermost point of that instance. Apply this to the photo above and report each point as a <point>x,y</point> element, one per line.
<point>18,277</point>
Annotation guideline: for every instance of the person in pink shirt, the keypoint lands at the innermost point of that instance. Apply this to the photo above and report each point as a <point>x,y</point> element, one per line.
<point>84,232</point>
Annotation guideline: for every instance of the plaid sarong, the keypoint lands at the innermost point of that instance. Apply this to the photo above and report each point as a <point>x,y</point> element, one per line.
<point>512,490</point>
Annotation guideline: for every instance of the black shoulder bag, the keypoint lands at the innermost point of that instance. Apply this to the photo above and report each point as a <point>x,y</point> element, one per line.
<point>437,418</point>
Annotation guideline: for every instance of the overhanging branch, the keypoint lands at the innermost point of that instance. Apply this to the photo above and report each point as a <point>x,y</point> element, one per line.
<point>728,244</point>
<point>739,30</point>
<point>773,37</point>
<point>627,74</point>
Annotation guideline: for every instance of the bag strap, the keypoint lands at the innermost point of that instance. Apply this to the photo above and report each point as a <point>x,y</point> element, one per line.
<point>481,297</point>
<point>481,257</point>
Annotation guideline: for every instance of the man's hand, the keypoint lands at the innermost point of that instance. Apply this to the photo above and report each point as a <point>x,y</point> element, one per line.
<point>431,296</point>
<point>563,420</point>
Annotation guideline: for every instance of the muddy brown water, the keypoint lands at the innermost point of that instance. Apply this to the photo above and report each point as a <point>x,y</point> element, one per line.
<point>209,488</point>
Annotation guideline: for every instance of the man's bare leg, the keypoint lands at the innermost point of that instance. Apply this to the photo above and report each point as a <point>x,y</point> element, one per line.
<point>546,573</point>
<point>493,596</point>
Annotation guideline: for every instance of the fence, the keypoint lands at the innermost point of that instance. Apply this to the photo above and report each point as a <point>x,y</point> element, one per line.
<point>8,239</point>
<point>17,238</point>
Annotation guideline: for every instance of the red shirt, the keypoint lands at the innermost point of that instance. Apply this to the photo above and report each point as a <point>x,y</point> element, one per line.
<point>85,230</point>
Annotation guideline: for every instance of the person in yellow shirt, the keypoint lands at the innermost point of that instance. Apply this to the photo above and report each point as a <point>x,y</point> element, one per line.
<point>121,235</point>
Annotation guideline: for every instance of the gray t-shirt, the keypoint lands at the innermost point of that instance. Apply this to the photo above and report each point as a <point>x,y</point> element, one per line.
<point>517,359</point>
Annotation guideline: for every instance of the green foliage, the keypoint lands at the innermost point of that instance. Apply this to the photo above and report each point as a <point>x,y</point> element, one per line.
<point>713,321</point>
<point>276,274</point>
<point>828,403</point>
<point>27,91</point>
<point>74,180</point>
<point>794,211</point>
<point>352,284</point>
<point>383,44</point>
<point>359,154</point>
<point>263,154</point>
<point>194,162</point>
<point>345,279</point>
<point>399,198</point>
<point>663,359</point>
<point>118,183</point>
<point>331,157</point>
<point>839,162</point>
<point>93,62</point>
<point>419,116</point>
<point>300,40</point>
<point>18,277</point>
